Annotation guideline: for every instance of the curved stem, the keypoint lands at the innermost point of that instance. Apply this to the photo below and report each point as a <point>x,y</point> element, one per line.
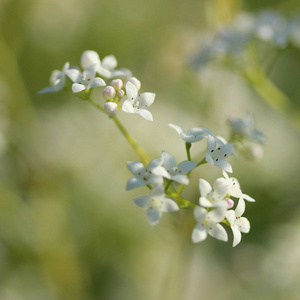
<point>188,153</point>
<point>182,203</point>
<point>138,149</point>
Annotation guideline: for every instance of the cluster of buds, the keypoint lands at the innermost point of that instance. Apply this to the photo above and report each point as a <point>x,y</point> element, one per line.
<point>120,89</point>
<point>163,176</point>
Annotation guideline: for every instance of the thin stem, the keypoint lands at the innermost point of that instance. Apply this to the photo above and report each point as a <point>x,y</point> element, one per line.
<point>188,153</point>
<point>182,203</point>
<point>167,186</point>
<point>138,149</point>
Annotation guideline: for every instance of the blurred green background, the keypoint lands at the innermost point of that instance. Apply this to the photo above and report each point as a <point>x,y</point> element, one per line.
<point>68,228</point>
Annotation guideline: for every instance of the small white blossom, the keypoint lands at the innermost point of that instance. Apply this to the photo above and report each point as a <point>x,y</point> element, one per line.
<point>208,223</point>
<point>244,128</point>
<point>177,173</point>
<point>156,204</point>
<point>212,197</point>
<point>238,223</point>
<point>192,135</point>
<point>217,152</point>
<point>106,67</point>
<point>137,104</point>
<point>233,187</point>
<point>57,80</point>
<point>153,174</point>
<point>85,80</point>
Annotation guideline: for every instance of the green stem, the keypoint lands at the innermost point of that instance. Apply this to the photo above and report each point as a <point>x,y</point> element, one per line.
<point>139,150</point>
<point>188,153</point>
<point>182,203</point>
<point>167,186</point>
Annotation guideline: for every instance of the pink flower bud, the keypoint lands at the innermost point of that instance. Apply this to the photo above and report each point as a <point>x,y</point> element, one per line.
<point>117,84</point>
<point>120,93</point>
<point>230,203</point>
<point>108,93</point>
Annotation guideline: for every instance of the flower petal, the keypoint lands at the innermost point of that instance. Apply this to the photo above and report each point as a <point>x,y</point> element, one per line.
<point>204,187</point>
<point>134,182</point>
<point>142,201</point>
<point>200,214</point>
<point>177,128</point>
<point>240,209</point>
<point>182,179</point>
<point>97,82</point>
<point>169,205</point>
<point>217,215</point>
<point>243,224</point>
<point>88,58</point>
<point>77,87</point>
<point>248,198</point>
<point>169,161</point>
<point>136,168</point>
<point>145,114</point>
<point>153,215</point>
<point>205,202</point>
<point>237,236</point>
<point>218,232</point>
<point>127,107</point>
<point>145,99</point>
<point>131,91</point>
<point>223,164</point>
<point>103,72</point>
<point>211,144</point>
<point>199,233</point>
<point>109,62</point>
<point>186,166</point>
<point>230,216</point>
<point>74,74</point>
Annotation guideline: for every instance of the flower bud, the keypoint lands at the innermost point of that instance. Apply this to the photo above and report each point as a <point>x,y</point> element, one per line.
<point>108,92</point>
<point>120,93</point>
<point>117,84</point>
<point>111,108</point>
<point>230,203</point>
<point>136,82</point>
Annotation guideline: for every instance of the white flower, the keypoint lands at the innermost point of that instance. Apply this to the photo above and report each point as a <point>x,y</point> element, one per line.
<point>153,174</point>
<point>105,67</point>
<point>192,135</point>
<point>212,197</point>
<point>244,128</point>
<point>233,187</point>
<point>177,173</point>
<point>208,223</point>
<point>156,204</point>
<point>137,104</point>
<point>217,152</point>
<point>85,80</point>
<point>57,80</point>
<point>238,223</point>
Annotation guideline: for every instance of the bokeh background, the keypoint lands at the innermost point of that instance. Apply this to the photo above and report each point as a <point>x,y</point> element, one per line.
<point>68,228</point>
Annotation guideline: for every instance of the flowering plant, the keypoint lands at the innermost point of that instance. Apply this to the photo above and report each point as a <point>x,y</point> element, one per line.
<point>163,177</point>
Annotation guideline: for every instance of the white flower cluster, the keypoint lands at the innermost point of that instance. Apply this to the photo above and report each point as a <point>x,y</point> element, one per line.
<point>121,90</point>
<point>215,201</point>
<point>232,40</point>
<point>163,176</point>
